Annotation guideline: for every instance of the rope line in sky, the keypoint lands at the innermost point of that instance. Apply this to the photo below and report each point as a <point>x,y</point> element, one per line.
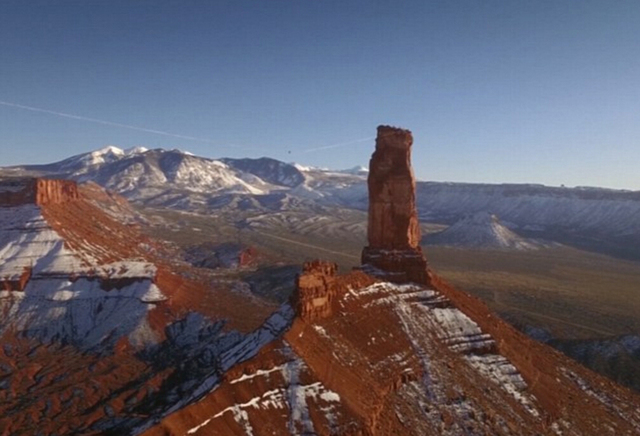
<point>170,134</point>
<point>107,123</point>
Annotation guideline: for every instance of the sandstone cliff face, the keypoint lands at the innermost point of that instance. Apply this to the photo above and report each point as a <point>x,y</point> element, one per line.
<point>313,295</point>
<point>15,192</point>
<point>393,219</point>
<point>55,191</point>
<point>393,227</point>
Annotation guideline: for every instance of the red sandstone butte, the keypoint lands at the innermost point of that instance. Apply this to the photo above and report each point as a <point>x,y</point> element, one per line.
<point>38,191</point>
<point>393,229</point>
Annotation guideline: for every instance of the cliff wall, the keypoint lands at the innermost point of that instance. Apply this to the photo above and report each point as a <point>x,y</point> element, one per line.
<point>19,191</point>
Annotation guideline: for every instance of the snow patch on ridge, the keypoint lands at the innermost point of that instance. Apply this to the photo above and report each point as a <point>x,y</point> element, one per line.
<point>135,150</point>
<point>80,312</point>
<point>67,297</point>
<point>292,396</point>
<point>28,242</point>
<point>427,316</point>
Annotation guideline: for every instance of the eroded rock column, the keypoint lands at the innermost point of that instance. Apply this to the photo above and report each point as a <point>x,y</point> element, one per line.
<point>393,227</point>
<point>314,290</point>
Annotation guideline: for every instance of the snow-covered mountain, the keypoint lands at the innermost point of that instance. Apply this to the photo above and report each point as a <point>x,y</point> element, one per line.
<point>358,170</point>
<point>481,230</point>
<point>180,180</point>
<point>270,170</point>
<point>165,178</point>
<point>592,218</point>
<point>82,163</point>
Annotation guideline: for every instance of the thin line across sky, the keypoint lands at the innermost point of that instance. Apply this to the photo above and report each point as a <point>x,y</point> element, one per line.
<point>338,145</point>
<point>114,124</point>
<point>170,134</point>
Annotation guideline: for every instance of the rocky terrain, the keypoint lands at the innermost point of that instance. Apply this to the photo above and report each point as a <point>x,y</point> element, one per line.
<point>106,331</point>
<point>403,359</point>
<point>101,331</point>
<point>367,356</point>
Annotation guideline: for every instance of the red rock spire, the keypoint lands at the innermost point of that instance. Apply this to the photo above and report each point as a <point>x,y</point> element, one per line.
<point>393,218</point>
<point>393,227</point>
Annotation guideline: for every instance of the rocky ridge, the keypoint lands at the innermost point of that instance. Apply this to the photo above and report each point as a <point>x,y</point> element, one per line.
<point>365,356</point>
<point>38,191</point>
<point>101,331</point>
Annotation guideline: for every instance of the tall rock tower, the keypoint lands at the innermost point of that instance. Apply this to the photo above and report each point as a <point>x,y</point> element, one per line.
<point>393,230</point>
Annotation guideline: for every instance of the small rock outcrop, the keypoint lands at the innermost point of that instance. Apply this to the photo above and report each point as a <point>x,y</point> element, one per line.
<point>318,286</point>
<point>18,191</point>
<point>314,290</point>
<point>393,229</point>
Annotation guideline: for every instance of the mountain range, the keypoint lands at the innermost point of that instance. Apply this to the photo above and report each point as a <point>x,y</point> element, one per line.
<point>591,218</point>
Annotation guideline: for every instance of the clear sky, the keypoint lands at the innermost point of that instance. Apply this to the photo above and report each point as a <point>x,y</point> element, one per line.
<point>494,91</point>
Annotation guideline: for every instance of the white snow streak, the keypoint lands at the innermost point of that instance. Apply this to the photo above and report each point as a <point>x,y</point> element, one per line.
<point>293,396</point>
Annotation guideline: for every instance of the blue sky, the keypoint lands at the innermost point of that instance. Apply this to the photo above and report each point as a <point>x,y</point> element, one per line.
<point>494,91</point>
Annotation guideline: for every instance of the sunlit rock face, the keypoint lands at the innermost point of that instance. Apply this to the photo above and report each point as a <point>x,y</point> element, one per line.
<point>393,229</point>
<point>319,286</point>
<point>393,219</point>
<point>18,191</point>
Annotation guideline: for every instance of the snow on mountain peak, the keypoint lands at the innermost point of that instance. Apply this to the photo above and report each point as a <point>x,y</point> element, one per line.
<point>109,149</point>
<point>304,168</point>
<point>135,150</point>
<point>109,153</point>
<point>357,170</point>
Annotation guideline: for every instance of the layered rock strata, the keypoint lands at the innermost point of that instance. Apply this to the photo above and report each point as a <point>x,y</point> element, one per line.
<point>394,250</point>
<point>405,359</point>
